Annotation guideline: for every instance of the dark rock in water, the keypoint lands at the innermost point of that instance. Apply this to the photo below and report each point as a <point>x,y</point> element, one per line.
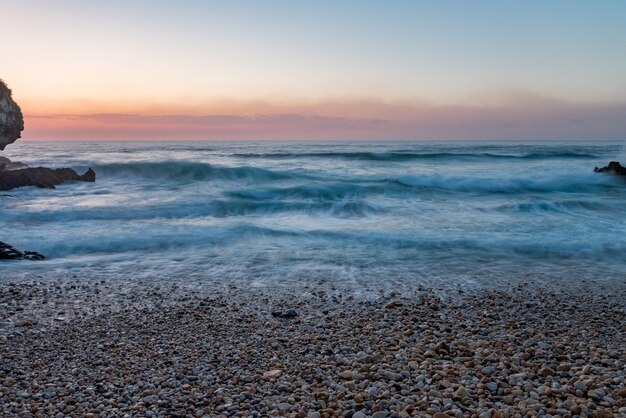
<point>40,177</point>
<point>614,167</point>
<point>7,252</point>
<point>11,119</point>
<point>288,314</point>
<point>89,176</point>
<point>6,164</point>
<point>14,174</point>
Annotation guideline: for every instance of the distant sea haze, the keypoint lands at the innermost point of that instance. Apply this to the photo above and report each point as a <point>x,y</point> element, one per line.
<point>352,214</point>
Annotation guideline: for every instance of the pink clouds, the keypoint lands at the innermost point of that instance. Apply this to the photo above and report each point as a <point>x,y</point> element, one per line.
<point>521,119</point>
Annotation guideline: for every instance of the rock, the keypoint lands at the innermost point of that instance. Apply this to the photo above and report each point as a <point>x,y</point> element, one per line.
<point>347,375</point>
<point>15,174</point>
<point>492,386</point>
<point>6,164</point>
<point>272,374</point>
<point>602,413</point>
<point>580,385</point>
<point>489,370</point>
<point>8,252</point>
<point>25,322</point>
<point>373,392</point>
<point>289,313</point>
<point>284,406</point>
<point>11,119</point>
<point>614,167</point>
<point>380,414</point>
<point>461,393</point>
<point>89,176</point>
<point>41,177</point>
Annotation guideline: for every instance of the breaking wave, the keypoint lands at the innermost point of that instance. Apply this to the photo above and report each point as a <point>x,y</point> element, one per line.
<point>408,156</point>
<point>191,171</point>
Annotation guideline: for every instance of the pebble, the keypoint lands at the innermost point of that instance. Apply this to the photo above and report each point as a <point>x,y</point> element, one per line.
<point>144,350</point>
<point>273,374</point>
<point>492,386</point>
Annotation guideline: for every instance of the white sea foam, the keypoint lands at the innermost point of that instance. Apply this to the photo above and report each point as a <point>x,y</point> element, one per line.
<point>437,214</point>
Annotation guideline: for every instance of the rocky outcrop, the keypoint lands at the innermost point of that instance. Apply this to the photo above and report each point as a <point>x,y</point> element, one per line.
<point>11,119</point>
<point>614,167</point>
<point>14,175</point>
<point>8,252</point>
<point>6,164</point>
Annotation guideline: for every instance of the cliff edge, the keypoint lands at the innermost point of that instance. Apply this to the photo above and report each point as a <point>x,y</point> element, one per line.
<point>11,119</point>
<point>16,174</point>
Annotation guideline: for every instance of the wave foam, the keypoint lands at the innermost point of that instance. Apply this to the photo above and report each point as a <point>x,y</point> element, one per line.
<point>191,171</point>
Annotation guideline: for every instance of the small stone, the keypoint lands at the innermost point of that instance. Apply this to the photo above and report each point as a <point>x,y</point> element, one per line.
<point>576,410</point>
<point>602,413</point>
<point>284,406</point>
<point>461,393</point>
<point>288,314</point>
<point>489,370</point>
<point>580,385</point>
<point>272,374</point>
<point>563,367</point>
<point>25,322</point>
<point>492,386</point>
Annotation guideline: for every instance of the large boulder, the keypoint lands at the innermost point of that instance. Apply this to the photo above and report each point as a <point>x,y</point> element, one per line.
<point>15,174</point>
<point>614,167</point>
<point>11,119</point>
<point>39,176</point>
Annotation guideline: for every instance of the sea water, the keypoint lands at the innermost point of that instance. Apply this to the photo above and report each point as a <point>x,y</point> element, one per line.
<point>358,214</point>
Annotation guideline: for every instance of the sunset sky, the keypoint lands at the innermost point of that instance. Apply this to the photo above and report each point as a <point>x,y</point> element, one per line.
<point>160,70</point>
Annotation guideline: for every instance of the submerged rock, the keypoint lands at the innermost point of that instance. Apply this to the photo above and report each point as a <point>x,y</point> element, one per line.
<point>8,252</point>
<point>40,177</point>
<point>614,167</point>
<point>11,119</point>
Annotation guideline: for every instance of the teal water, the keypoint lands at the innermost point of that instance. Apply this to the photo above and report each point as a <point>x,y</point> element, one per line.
<point>351,214</point>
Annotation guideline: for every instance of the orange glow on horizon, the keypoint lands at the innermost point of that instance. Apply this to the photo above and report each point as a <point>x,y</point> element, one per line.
<point>521,117</point>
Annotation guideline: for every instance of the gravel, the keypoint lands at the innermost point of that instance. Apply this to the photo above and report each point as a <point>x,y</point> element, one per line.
<point>94,349</point>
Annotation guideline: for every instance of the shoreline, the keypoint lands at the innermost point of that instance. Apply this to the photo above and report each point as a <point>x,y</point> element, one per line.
<point>114,349</point>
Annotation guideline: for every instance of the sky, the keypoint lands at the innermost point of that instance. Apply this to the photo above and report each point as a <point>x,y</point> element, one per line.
<point>316,70</point>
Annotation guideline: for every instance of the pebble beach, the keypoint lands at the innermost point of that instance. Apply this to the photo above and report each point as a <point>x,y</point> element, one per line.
<point>87,348</point>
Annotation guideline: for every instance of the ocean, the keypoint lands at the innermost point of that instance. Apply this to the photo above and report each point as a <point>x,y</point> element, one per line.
<point>357,215</point>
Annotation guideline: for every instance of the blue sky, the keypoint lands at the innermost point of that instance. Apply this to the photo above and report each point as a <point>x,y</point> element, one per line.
<point>275,57</point>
